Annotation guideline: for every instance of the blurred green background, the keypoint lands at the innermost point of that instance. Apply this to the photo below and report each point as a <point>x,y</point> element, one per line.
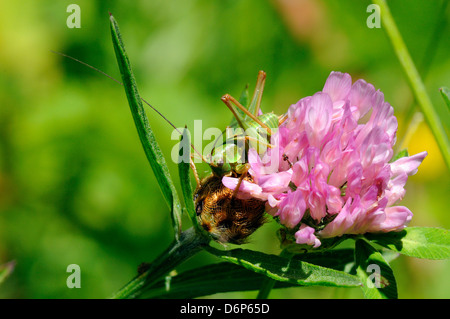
<point>75,186</point>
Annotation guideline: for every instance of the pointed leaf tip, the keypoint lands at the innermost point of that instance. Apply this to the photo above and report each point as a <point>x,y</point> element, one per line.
<point>445,92</point>
<point>6,270</point>
<point>148,140</point>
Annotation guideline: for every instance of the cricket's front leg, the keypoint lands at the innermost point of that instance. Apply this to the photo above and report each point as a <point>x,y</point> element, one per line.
<point>257,94</point>
<point>242,170</point>
<point>229,100</point>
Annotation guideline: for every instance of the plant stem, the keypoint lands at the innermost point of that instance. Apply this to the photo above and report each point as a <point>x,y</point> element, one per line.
<point>268,283</point>
<point>415,81</point>
<point>190,242</point>
<point>265,289</point>
<point>413,116</point>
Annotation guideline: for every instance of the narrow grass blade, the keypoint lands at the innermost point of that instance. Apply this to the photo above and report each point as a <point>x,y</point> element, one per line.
<point>445,92</point>
<point>148,140</point>
<point>185,181</point>
<point>415,81</point>
<point>188,244</point>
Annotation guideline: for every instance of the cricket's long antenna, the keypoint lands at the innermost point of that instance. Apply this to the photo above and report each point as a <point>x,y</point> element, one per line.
<point>143,100</point>
<point>117,81</point>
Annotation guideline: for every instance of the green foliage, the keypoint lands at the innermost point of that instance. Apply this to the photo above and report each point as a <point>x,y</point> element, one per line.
<point>338,259</point>
<point>188,244</point>
<point>420,242</point>
<point>148,140</point>
<point>368,260</point>
<point>184,173</point>
<point>286,270</point>
<point>416,83</point>
<point>208,280</point>
<point>402,153</point>
<point>6,270</point>
<point>445,92</point>
<point>73,180</point>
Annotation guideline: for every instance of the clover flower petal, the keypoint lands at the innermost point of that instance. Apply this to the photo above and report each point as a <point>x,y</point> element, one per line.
<point>332,172</point>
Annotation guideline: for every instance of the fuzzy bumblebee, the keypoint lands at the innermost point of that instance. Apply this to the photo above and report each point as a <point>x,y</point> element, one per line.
<point>227,218</point>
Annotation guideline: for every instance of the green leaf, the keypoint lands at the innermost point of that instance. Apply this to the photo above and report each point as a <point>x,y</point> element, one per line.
<point>188,244</point>
<point>378,281</point>
<point>6,270</point>
<point>400,154</point>
<point>289,244</point>
<point>286,270</point>
<point>207,280</point>
<point>148,140</point>
<point>185,181</point>
<point>338,259</point>
<point>445,92</point>
<point>420,242</point>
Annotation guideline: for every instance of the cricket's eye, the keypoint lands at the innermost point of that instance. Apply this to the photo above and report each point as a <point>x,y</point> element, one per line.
<point>199,207</point>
